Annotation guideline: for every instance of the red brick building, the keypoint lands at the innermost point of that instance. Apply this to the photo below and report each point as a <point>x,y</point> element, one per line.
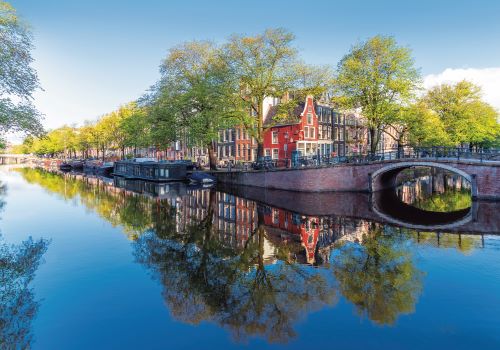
<point>281,139</point>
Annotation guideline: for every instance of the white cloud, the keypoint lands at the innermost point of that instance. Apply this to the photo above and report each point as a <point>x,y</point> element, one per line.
<point>487,78</point>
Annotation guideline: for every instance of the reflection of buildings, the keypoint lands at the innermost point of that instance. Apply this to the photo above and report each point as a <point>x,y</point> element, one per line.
<point>421,183</point>
<point>236,220</point>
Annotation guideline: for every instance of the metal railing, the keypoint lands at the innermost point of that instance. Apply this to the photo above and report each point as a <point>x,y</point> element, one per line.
<point>429,153</point>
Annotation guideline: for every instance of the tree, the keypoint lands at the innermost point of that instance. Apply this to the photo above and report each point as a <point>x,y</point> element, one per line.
<point>416,125</point>
<point>18,80</point>
<point>134,126</point>
<point>379,77</point>
<point>196,90</point>
<point>466,118</point>
<point>262,66</point>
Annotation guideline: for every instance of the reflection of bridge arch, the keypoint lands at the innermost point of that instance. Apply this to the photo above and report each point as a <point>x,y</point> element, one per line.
<point>391,209</point>
<point>385,177</point>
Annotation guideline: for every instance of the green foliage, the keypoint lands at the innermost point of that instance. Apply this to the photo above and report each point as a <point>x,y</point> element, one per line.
<point>262,66</point>
<point>125,127</point>
<point>418,126</point>
<point>204,100</point>
<point>463,114</point>
<point>193,100</point>
<point>379,77</point>
<point>18,80</point>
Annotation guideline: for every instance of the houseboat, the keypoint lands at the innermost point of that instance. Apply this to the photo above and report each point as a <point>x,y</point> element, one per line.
<point>151,170</point>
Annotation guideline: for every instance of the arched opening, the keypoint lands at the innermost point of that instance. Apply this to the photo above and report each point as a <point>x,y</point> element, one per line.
<point>385,177</point>
<point>423,194</point>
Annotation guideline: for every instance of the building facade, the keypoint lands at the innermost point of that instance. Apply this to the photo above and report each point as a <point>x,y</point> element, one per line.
<point>312,129</point>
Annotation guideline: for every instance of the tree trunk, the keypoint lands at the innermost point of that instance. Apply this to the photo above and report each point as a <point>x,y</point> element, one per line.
<point>212,158</point>
<point>374,138</point>
<point>260,129</point>
<point>260,149</point>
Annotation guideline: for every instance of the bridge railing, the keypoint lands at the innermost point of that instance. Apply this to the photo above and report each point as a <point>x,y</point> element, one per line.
<point>437,153</point>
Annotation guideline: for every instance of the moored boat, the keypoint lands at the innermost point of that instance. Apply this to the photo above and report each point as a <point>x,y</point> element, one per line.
<point>65,166</point>
<point>76,164</point>
<point>105,169</point>
<point>150,170</point>
<point>202,177</point>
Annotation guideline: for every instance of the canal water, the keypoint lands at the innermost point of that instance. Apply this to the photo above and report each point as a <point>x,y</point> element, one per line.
<point>93,263</point>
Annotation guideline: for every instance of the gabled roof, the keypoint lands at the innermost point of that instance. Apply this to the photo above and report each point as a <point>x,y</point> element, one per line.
<point>294,117</point>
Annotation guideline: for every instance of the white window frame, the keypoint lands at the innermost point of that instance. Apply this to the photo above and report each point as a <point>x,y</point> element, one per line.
<point>275,141</point>
<point>277,150</point>
<point>309,118</point>
<point>267,152</point>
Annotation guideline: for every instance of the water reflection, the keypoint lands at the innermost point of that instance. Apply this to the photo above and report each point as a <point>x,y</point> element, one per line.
<point>18,307</point>
<point>433,189</point>
<point>253,268</point>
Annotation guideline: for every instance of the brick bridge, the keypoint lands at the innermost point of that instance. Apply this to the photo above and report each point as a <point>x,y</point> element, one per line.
<point>382,207</point>
<point>14,158</point>
<point>484,176</point>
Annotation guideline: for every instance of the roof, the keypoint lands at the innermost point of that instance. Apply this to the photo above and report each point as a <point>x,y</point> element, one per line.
<point>294,115</point>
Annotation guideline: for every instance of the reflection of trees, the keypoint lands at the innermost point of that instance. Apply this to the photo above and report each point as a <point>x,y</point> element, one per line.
<point>461,242</point>
<point>450,200</point>
<point>434,190</point>
<point>205,280</point>
<point>132,212</point>
<point>378,276</point>
<point>18,264</point>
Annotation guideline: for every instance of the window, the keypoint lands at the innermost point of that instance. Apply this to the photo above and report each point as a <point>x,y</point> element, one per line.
<point>309,118</point>
<point>275,153</point>
<point>276,216</point>
<point>237,134</point>
<point>321,135</point>
<point>306,132</point>
<point>267,152</point>
<point>275,137</point>
<point>312,133</point>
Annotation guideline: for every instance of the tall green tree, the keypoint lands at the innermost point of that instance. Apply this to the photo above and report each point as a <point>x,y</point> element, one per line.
<point>466,117</point>
<point>18,80</point>
<point>135,127</point>
<point>196,90</point>
<point>263,67</point>
<point>380,77</point>
<point>416,125</point>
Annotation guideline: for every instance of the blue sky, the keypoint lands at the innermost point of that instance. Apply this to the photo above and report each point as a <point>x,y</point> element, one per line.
<point>92,55</point>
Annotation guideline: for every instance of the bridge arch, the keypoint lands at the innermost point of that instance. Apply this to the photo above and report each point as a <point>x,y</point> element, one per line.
<point>385,177</point>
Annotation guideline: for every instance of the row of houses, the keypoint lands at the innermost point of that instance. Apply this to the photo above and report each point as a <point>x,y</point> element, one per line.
<point>311,128</point>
